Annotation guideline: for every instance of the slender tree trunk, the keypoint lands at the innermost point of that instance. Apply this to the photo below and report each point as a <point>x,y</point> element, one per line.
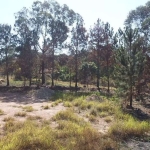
<point>131,92</point>
<point>98,73</point>
<point>98,76</point>
<point>76,72</point>
<point>70,78</point>
<point>43,74</point>
<point>108,90</point>
<point>7,74</point>
<point>24,81</point>
<point>30,80</point>
<point>53,65</point>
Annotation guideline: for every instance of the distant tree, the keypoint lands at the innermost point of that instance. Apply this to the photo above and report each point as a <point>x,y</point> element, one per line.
<point>87,72</point>
<point>6,46</point>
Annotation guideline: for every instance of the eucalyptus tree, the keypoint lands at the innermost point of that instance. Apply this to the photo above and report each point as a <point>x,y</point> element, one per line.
<point>130,59</point>
<point>6,46</point>
<point>50,22</point>
<point>140,18</point>
<point>24,42</point>
<point>78,42</point>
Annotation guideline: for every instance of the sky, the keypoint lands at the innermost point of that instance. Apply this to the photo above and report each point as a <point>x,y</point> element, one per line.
<point>113,11</point>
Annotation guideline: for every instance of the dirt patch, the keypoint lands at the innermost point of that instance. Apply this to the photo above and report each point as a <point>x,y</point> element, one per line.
<point>135,145</point>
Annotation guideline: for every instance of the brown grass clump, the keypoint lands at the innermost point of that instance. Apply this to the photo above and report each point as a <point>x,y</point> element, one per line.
<point>20,114</point>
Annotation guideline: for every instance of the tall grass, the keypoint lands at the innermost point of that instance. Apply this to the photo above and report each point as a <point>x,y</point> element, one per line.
<point>72,133</point>
<point>128,128</point>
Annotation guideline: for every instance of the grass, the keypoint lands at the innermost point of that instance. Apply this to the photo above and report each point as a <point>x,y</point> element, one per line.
<point>6,119</point>
<point>72,133</point>
<point>94,112</point>
<point>28,108</point>
<point>20,114</point>
<point>12,126</point>
<point>46,107</point>
<point>108,119</point>
<point>34,118</point>
<point>92,118</point>
<point>67,104</point>
<point>56,102</point>
<point>124,129</point>
<point>1,112</point>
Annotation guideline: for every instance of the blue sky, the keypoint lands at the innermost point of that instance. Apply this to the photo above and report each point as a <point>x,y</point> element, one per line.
<point>112,11</point>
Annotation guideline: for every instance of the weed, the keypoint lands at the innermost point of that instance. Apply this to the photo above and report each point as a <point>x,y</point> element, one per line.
<point>34,118</point>
<point>46,107</point>
<point>1,112</point>
<point>20,114</point>
<point>124,129</point>
<point>108,119</point>
<point>93,112</point>
<point>67,104</point>
<point>28,108</point>
<point>103,114</point>
<point>8,119</point>
<point>92,118</point>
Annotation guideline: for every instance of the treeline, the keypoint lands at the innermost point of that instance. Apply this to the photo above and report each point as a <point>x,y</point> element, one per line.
<point>33,48</point>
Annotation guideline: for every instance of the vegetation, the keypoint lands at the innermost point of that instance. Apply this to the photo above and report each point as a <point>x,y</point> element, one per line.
<point>28,108</point>
<point>103,58</point>
<point>110,72</point>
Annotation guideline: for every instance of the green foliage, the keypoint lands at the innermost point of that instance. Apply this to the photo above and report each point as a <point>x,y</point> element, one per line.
<point>128,128</point>
<point>130,60</point>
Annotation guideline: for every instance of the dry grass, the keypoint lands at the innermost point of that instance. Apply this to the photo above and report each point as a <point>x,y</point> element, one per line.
<point>1,112</point>
<point>20,114</point>
<point>34,118</point>
<point>46,107</point>
<point>72,133</point>
<point>6,119</point>
<point>28,108</point>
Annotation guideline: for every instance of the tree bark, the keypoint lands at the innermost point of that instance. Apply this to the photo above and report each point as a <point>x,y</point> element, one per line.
<point>76,72</point>
<point>7,74</point>
<point>43,74</point>
<point>53,65</point>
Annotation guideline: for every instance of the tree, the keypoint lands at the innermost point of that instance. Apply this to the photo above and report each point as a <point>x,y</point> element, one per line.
<point>129,61</point>
<point>24,41</point>
<point>139,18</point>
<point>78,42</point>
<point>96,44</point>
<point>6,46</point>
<point>50,22</point>
<point>87,71</point>
<point>107,53</point>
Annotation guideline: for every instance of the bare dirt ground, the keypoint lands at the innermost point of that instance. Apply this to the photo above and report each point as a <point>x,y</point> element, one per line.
<point>14,102</point>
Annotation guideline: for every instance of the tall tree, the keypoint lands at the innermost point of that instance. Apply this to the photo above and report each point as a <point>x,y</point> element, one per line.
<point>129,61</point>
<point>107,53</point>
<point>24,42</point>
<point>140,18</point>
<point>50,22</point>
<point>78,42</point>
<point>96,44</point>
<point>6,46</point>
